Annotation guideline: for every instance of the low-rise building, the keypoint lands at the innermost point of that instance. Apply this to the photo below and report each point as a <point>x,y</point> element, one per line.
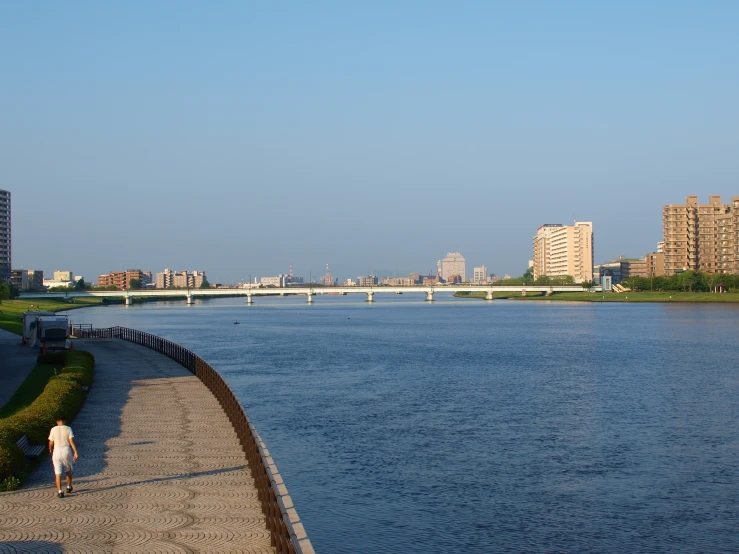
<point>655,264</point>
<point>63,275</point>
<point>397,281</point>
<point>27,279</point>
<point>121,280</point>
<point>480,275</point>
<point>180,279</point>
<point>279,281</point>
<point>367,281</point>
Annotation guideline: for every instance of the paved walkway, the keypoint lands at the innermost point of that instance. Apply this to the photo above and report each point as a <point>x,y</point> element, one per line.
<point>16,362</point>
<point>160,469</point>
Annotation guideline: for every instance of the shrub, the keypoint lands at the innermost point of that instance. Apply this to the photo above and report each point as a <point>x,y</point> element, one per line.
<point>64,393</point>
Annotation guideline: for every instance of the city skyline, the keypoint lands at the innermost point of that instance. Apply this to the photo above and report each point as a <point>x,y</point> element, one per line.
<point>241,138</point>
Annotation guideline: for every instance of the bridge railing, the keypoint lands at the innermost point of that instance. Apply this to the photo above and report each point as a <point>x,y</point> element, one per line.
<point>287,532</point>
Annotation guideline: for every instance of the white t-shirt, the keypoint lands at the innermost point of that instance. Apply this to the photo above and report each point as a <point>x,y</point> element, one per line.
<point>61,435</point>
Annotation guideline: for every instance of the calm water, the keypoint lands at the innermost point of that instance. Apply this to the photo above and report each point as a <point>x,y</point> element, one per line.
<point>464,426</point>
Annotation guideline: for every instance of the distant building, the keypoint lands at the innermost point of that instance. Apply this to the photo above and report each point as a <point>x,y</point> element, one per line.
<point>349,283</point>
<point>5,238</point>
<point>27,279</point>
<point>397,281</point>
<point>480,275</point>
<point>121,280</point>
<point>655,264</point>
<point>430,280</point>
<point>506,276</point>
<point>415,277</point>
<point>454,279</point>
<point>494,278</point>
<point>63,275</point>
<point>180,279</point>
<point>617,270</point>
<point>701,237</point>
<point>452,264</point>
<point>561,250</point>
<point>368,281</point>
<point>278,281</point>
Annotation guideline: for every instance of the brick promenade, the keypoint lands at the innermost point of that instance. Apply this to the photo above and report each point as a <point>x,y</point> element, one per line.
<point>160,469</point>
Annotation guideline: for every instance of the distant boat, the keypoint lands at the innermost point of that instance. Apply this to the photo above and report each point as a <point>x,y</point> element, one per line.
<point>237,323</point>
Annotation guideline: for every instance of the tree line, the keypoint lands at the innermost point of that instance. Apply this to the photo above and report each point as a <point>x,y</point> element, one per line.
<point>687,281</point>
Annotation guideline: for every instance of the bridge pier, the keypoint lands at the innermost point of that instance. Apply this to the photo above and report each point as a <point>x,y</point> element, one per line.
<point>189,299</point>
<point>490,295</point>
<point>129,300</point>
<point>370,296</point>
<point>429,296</point>
<point>523,292</point>
<point>249,299</point>
<point>310,297</point>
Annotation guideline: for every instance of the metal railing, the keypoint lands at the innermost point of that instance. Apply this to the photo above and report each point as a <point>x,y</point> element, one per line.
<point>287,532</point>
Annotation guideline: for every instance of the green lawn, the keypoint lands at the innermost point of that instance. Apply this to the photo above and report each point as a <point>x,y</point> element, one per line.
<point>615,297</point>
<point>11,310</point>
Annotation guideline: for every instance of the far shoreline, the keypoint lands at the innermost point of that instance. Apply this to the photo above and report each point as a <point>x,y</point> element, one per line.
<point>653,297</point>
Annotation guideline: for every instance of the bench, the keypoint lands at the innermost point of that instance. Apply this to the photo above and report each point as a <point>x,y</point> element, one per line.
<point>28,449</point>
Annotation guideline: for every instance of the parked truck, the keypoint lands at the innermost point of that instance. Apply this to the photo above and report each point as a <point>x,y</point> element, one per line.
<point>46,330</point>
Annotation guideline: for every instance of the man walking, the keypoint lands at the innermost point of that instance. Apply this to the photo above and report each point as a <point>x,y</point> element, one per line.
<point>61,446</point>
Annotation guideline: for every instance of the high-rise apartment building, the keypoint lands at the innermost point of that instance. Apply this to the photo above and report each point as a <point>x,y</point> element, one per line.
<point>5,239</point>
<point>701,237</point>
<point>480,275</point>
<point>453,264</point>
<point>561,250</point>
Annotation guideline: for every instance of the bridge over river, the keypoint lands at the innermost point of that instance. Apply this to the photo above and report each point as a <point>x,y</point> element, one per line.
<point>307,291</point>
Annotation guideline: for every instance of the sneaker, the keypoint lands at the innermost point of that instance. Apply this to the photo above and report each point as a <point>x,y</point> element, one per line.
<point>69,489</point>
<point>61,494</point>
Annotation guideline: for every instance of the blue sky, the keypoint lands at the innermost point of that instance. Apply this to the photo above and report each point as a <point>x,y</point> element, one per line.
<point>240,137</point>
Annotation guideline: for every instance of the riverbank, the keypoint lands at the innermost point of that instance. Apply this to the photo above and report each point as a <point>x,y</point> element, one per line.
<point>646,296</point>
<point>11,310</point>
<point>141,480</point>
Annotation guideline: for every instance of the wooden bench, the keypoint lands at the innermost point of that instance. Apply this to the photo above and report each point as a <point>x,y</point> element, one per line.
<point>28,449</point>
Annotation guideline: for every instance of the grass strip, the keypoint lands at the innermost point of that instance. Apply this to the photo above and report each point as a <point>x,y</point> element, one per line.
<point>64,393</point>
<point>11,310</point>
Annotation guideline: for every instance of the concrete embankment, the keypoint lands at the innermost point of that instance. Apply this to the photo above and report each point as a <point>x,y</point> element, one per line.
<point>160,469</point>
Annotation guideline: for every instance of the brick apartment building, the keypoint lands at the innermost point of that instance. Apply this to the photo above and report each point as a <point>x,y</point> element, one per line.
<point>701,237</point>
<point>121,280</point>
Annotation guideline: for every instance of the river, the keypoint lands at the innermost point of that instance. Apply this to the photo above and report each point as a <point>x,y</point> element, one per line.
<point>468,426</point>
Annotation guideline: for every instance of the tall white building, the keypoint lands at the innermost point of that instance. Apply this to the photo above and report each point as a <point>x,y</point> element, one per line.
<point>453,264</point>
<point>480,275</point>
<point>561,250</point>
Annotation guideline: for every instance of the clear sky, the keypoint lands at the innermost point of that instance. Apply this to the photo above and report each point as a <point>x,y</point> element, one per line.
<point>240,137</point>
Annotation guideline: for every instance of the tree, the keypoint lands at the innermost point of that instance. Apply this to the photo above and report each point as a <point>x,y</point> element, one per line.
<point>205,284</point>
<point>134,284</point>
<point>80,284</point>
<point>529,273</point>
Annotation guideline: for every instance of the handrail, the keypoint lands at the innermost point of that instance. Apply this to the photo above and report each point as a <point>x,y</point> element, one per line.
<point>287,532</point>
